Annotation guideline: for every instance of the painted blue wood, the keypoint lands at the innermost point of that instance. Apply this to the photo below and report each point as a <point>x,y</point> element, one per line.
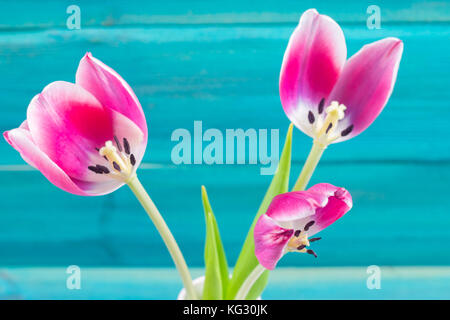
<point>394,220</point>
<point>29,14</point>
<point>227,77</point>
<point>285,283</point>
<point>220,64</point>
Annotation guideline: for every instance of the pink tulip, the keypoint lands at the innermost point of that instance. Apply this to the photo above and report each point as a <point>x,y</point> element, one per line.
<point>327,97</point>
<point>86,138</point>
<point>293,217</point>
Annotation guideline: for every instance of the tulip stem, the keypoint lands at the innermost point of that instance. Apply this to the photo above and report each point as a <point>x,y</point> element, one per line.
<point>145,200</point>
<point>249,282</point>
<point>310,165</point>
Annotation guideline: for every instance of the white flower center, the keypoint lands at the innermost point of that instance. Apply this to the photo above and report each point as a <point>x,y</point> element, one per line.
<point>324,130</point>
<point>120,161</point>
<point>299,242</point>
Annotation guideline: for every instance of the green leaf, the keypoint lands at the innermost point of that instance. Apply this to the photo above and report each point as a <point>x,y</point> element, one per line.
<point>216,266</point>
<point>213,287</point>
<point>247,260</point>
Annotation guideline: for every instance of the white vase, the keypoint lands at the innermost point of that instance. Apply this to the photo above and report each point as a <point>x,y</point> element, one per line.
<point>198,286</point>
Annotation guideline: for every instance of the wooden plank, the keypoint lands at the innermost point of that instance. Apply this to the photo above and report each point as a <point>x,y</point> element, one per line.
<point>284,283</point>
<point>227,77</point>
<point>52,14</point>
<point>396,207</point>
<point>220,64</point>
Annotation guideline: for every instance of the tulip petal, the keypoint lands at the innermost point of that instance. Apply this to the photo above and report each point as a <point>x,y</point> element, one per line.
<point>335,203</point>
<point>125,128</point>
<point>110,89</point>
<point>318,207</point>
<point>293,214</point>
<point>313,60</point>
<point>98,188</point>
<point>366,83</point>
<point>322,191</point>
<point>270,241</point>
<point>24,125</point>
<point>68,123</point>
<point>289,208</point>
<point>20,139</point>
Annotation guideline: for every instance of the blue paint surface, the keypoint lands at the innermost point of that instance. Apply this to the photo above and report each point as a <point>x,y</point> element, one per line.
<point>285,283</point>
<point>199,60</point>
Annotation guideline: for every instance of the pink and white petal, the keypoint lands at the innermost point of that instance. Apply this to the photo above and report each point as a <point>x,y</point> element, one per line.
<point>24,125</point>
<point>337,205</point>
<point>366,83</point>
<point>68,123</point>
<point>270,241</point>
<point>99,188</point>
<point>322,191</point>
<point>312,63</point>
<point>20,139</point>
<point>124,127</point>
<point>289,208</point>
<point>110,89</point>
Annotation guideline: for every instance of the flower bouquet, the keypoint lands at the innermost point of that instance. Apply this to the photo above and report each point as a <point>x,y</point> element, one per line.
<point>89,137</point>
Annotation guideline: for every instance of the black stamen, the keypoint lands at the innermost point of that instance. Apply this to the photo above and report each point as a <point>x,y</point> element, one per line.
<point>321,105</point>
<point>126,146</point>
<point>314,239</point>
<point>132,160</point>
<point>329,127</point>
<point>97,149</point>
<point>311,252</point>
<point>116,166</point>
<point>347,131</point>
<point>103,169</point>
<point>311,117</point>
<point>301,247</point>
<point>309,225</point>
<point>118,144</point>
<point>95,169</point>
<point>297,233</point>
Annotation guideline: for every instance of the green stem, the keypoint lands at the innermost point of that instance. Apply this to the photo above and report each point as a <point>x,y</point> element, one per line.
<point>145,200</point>
<point>249,282</point>
<point>310,165</point>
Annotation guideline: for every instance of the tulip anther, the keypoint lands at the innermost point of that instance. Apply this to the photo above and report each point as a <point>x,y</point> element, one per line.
<point>347,131</point>
<point>324,128</point>
<point>299,241</point>
<point>311,117</point>
<point>309,225</point>
<point>120,159</point>
<point>321,105</point>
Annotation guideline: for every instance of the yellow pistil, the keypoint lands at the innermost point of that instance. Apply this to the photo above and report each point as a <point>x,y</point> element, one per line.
<point>120,163</point>
<point>335,112</point>
<point>297,241</point>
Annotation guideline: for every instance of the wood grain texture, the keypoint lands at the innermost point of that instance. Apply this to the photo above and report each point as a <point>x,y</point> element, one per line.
<point>29,14</point>
<point>285,283</point>
<point>199,60</point>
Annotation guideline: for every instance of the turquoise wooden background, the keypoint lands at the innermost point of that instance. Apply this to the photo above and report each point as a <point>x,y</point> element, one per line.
<point>219,62</point>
